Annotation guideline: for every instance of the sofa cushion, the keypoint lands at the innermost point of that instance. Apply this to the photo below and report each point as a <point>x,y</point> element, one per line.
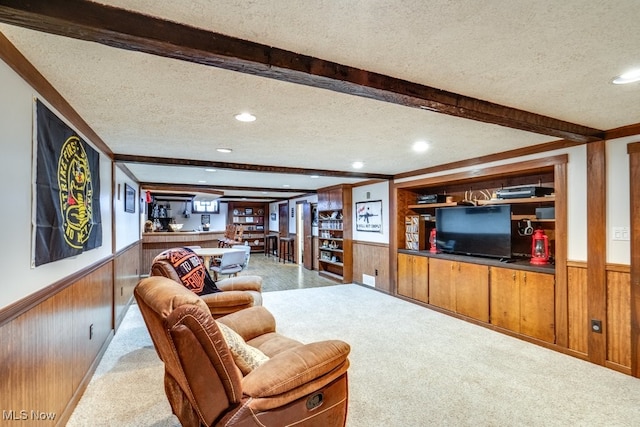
<point>246,357</point>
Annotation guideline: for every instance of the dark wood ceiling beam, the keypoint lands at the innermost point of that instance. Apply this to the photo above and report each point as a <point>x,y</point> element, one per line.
<point>216,189</point>
<point>167,161</point>
<point>137,32</point>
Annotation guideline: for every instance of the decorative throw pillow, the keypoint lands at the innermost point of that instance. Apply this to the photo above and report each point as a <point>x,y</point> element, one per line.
<point>246,357</point>
<point>190,270</point>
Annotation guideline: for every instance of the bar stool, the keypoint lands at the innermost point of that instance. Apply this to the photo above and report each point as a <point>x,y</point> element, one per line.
<point>286,249</point>
<point>271,244</point>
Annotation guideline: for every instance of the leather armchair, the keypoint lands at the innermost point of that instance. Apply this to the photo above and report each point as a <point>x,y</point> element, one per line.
<point>298,384</point>
<point>238,292</point>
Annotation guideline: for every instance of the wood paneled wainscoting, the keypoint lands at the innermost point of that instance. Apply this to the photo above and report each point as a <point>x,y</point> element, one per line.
<point>616,326</point>
<point>126,274</point>
<point>53,340</point>
<point>371,259</point>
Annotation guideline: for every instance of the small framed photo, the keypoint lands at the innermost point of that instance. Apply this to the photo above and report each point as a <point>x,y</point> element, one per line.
<point>248,211</point>
<point>129,199</point>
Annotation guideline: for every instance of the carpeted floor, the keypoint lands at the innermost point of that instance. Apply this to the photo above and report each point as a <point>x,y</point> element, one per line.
<point>410,366</point>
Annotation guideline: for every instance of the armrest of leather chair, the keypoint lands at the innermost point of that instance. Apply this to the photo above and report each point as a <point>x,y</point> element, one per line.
<point>296,367</point>
<point>250,323</point>
<point>223,303</point>
<point>241,283</point>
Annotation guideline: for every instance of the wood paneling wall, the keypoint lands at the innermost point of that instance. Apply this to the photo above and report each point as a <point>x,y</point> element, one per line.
<point>126,274</point>
<point>577,307</point>
<point>618,314</point>
<point>49,353</point>
<point>368,258</point>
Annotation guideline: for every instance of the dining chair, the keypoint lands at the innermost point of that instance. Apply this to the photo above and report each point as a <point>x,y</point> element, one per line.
<point>231,263</point>
<point>247,250</point>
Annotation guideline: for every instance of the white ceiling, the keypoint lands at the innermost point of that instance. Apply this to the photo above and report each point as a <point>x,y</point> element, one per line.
<point>547,57</point>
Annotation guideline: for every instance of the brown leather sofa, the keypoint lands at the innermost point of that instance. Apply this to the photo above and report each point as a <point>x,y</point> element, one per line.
<point>238,292</point>
<point>293,383</point>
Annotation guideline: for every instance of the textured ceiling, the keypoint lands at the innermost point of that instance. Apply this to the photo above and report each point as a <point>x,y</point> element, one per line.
<point>547,57</point>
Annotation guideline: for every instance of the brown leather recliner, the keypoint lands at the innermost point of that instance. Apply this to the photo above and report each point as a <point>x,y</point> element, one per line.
<point>238,292</point>
<point>298,384</point>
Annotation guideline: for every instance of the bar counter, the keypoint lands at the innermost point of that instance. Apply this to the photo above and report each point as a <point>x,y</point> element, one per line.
<point>155,242</point>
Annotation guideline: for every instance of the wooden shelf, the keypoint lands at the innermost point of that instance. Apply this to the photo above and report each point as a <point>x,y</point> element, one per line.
<point>546,199</point>
<point>424,206</point>
<point>532,218</point>
<point>324,248</point>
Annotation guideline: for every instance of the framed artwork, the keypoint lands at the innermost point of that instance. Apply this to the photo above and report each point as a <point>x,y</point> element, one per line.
<point>369,216</point>
<point>129,198</point>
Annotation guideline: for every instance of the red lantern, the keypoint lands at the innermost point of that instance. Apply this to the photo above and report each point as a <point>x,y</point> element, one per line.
<point>432,241</point>
<point>539,248</point>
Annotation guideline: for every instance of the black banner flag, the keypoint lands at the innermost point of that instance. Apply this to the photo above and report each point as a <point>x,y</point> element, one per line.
<point>68,219</point>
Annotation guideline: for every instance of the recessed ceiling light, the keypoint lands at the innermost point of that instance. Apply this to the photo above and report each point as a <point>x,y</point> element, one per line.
<point>420,146</point>
<point>224,150</point>
<point>628,77</point>
<point>314,176</point>
<point>202,181</point>
<point>357,165</point>
<point>245,117</point>
<point>286,185</point>
<point>209,170</point>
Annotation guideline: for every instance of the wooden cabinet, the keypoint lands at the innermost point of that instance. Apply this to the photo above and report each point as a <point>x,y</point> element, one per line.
<point>413,277</point>
<point>523,302</point>
<point>335,259</point>
<point>331,199</point>
<point>251,216</point>
<point>460,287</point>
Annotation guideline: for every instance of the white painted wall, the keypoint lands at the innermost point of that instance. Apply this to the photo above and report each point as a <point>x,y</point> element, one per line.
<point>217,221</point>
<point>618,202</point>
<point>274,224</point>
<point>128,224</point>
<point>16,127</point>
<point>378,191</point>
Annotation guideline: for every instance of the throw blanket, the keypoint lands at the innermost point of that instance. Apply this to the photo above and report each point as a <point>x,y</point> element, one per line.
<point>190,269</point>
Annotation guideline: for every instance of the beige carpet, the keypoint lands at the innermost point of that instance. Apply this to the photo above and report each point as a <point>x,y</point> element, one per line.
<point>410,366</point>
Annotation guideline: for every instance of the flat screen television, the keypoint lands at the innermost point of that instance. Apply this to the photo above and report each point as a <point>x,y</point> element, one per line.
<point>474,230</point>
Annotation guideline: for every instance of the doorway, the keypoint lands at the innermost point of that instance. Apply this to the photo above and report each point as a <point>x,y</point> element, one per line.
<point>304,237</point>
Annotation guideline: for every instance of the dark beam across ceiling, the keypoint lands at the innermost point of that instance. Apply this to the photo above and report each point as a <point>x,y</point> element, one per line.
<point>137,32</point>
<point>167,161</point>
<point>217,189</point>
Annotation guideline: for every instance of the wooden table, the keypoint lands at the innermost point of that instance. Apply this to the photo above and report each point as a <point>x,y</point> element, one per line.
<point>208,253</point>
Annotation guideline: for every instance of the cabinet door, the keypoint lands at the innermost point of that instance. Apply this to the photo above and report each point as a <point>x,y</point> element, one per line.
<point>335,199</point>
<point>441,287</point>
<point>420,273</point>
<point>537,307</point>
<point>472,290</point>
<point>505,298</point>
<point>323,201</point>
<point>413,277</point>
<point>405,275</point>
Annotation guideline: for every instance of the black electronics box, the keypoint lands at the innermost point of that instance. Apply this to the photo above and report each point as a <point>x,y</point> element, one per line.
<point>523,192</point>
<point>431,198</point>
<point>545,213</point>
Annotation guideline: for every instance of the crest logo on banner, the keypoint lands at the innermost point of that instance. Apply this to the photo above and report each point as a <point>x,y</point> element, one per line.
<point>67,220</point>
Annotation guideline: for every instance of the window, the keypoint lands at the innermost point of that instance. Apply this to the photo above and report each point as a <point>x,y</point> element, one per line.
<point>205,206</point>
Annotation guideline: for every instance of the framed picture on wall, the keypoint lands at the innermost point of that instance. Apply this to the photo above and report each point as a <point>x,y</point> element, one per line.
<point>369,216</point>
<point>129,198</point>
